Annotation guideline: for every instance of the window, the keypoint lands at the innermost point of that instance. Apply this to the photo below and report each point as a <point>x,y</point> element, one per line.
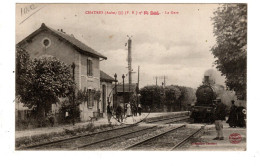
<point>90,98</point>
<point>89,67</point>
<point>46,42</point>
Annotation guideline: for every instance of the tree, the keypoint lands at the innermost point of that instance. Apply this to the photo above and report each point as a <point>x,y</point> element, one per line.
<point>230,29</point>
<point>152,96</point>
<point>172,94</point>
<point>47,80</point>
<point>23,70</point>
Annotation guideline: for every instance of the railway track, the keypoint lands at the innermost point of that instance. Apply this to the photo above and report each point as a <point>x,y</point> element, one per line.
<point>170,120</point>
<point>108,141</point>
<point>107,138</point>
<point>82,143</point>
<point>37,146</point>
<point>187,138</point>
<point>169,140</point>
<point>157,119</point>
<point>178,120</point>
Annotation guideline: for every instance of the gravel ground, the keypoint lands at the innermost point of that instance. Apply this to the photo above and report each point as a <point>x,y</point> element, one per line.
<point>167,141</point>
<point>61,136</point>
<point>115,144</point>
<point>189,143</point>
<point>131,141</point>
<point>70,144</point>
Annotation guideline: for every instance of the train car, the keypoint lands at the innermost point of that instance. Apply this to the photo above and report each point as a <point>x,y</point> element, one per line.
<point>202,111</point>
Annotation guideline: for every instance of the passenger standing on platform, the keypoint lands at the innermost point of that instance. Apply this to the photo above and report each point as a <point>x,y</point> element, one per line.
<point>219,116</point>
<point>139,109</point>
<point>241,116</point>
<point>119,113</point>
<point>233,118</point>
<point>109,113</point>
<point>134,109</point>
<point>128,110</point>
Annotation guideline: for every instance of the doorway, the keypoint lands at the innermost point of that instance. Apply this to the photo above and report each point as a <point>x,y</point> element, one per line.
<point>104,98</point>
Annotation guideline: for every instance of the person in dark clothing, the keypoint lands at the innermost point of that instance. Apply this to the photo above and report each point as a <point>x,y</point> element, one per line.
<point>233,118</point>
<point>134,109</point>
<point>219,116</point>
<point>119,113</point>
<point>109,113</point>
<point>139,109</point>
<point>240,117</point>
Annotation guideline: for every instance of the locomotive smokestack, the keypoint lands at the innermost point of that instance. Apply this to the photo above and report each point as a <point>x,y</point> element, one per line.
<point>206,79</point>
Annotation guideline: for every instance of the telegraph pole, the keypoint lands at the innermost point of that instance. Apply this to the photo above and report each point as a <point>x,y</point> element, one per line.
<point>115,104</point>
<point>138,76</point>
<point>123,76</point>
<point>129,62</point>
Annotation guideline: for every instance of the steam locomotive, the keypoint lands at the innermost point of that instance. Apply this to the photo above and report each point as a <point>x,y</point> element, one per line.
<point>207,93</point>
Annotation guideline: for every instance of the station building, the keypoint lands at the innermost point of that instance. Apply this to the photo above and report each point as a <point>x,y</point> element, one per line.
<point>65,47</point>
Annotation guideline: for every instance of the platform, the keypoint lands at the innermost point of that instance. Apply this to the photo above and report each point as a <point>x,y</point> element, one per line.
<point>206,142</point>
<point>99,122</point>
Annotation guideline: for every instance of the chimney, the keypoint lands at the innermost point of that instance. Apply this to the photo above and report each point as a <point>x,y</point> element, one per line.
<point>43,25</point>
<point>206,79</point>
<point>61,30</point>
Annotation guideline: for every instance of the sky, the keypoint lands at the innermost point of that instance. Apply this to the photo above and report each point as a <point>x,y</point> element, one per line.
<point>173,45</point>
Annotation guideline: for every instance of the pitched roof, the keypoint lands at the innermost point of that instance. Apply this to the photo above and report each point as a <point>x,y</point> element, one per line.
<point>105,77</point>
<point>69,38</point>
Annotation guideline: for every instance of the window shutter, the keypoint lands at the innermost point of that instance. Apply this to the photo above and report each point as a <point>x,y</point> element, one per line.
<point>91,68</point>
<point>87,67</point>
<point>88,97</point>
<point>93,98</point>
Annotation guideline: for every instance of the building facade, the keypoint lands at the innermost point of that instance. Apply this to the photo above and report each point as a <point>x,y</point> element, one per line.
<point>66,48</point>
<point>106,85</point>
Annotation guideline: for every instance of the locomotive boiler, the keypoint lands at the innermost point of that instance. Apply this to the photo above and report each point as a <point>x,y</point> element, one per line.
<point>207,93</point>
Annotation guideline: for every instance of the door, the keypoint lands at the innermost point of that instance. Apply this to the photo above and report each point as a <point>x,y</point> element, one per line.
<point>104,98</point>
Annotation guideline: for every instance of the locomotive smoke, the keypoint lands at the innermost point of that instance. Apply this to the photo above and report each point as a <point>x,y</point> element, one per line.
<point>215,77</point>
<point>218,82</point>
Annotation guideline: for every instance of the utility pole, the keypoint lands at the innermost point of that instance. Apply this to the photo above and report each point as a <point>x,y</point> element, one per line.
<point>123,76</point>
<point>130,60</point>
<point>115,104</point>
<point>129,63</point>
<point>160,78</point>
<point>138,76</point>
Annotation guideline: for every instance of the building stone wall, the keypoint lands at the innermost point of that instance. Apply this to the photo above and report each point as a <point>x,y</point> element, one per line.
<point>65,52</point>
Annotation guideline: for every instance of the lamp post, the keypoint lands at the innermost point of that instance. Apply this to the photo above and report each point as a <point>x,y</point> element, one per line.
<point>123,76</point>
<point>73,95</point>
<point>115,90</point>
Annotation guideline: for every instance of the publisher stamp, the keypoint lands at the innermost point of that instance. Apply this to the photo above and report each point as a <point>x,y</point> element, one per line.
<point>235,138</point>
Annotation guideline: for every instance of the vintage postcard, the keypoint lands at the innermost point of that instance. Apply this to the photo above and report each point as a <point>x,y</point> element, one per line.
<point>131,77</point>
